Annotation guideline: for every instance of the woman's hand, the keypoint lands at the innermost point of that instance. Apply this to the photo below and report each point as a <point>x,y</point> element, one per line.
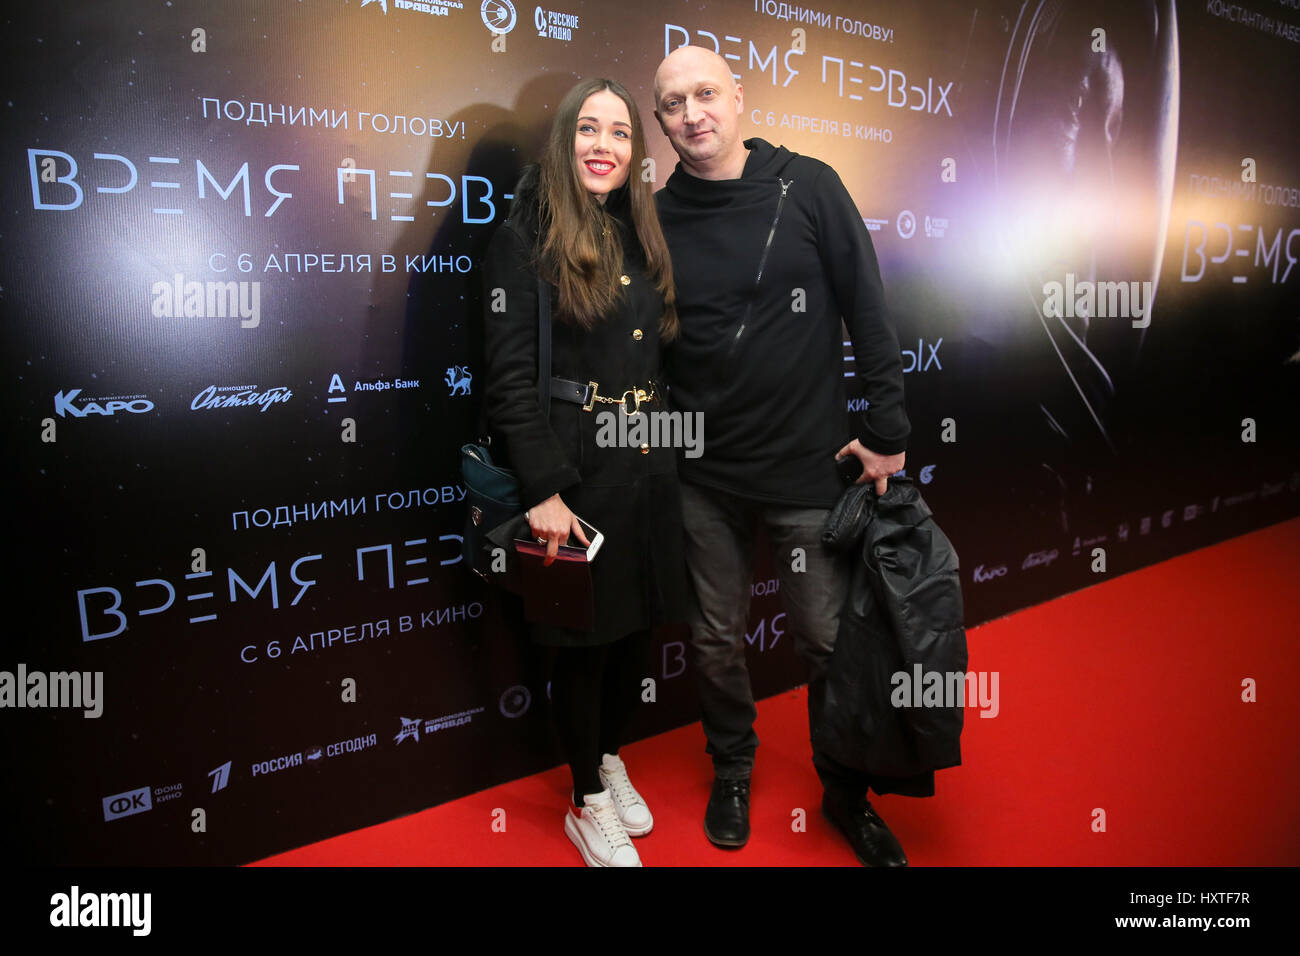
<point>552,522</point>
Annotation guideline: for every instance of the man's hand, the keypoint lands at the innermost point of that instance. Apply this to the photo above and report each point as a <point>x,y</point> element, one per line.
<point>552,522</point>
<point>874,467</point>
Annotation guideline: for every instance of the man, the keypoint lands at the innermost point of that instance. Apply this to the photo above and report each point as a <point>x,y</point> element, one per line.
<point>769,254</point>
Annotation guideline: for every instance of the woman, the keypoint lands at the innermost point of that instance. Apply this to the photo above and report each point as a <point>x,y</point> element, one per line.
<point>585,222</point>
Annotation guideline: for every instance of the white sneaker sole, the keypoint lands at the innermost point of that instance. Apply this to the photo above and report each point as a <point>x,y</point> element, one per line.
<point>575,837</point>
<point>639,831</point>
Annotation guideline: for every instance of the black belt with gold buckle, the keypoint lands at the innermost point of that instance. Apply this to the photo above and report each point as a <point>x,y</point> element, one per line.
<point>588,396</point>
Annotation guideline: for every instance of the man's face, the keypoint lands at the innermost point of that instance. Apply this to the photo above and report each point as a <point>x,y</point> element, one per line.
<point>698,106</point>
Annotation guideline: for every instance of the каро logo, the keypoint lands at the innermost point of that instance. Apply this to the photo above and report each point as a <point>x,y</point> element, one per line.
<point>105,406</point>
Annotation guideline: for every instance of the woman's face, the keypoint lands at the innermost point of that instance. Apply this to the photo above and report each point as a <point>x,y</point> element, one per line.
<point>602,143</point>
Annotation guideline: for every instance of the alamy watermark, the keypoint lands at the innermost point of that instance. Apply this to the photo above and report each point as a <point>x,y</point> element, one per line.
<point>179,299</point>
<point>75,689</point>
<point>921,688</point>
<point>77,908</point>
<point>646,430</point>
<point>1086,299</point>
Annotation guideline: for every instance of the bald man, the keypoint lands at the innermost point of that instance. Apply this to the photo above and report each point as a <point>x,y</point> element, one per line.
<point>770,255</point>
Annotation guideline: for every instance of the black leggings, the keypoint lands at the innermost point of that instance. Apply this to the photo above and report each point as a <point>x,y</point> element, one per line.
<point>594,691</point>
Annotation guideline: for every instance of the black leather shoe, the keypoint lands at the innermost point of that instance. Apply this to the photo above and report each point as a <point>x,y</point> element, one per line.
<point>726,821</point>
<point>872,842</point>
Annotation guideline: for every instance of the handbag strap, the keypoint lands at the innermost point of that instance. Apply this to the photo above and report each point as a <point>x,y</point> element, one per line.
<point>543,359</point>
<point>543,344</point>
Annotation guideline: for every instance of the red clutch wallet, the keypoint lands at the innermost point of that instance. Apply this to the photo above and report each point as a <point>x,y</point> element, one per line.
<point>560,595</point>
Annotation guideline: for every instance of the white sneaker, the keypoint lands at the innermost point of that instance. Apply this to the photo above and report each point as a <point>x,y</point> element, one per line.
<point>632,810</point>
<point>597,833</point>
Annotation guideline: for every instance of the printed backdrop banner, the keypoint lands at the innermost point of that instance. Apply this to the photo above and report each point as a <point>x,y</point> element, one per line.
<point>240,300</point>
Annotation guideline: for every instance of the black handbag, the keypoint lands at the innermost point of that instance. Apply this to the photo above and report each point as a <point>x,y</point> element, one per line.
<point>495,515</point>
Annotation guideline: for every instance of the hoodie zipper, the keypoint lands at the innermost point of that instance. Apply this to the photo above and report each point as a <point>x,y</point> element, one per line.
<point>762,261</point>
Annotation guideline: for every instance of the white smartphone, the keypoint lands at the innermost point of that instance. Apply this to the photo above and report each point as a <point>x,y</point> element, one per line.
<point>594,536</point>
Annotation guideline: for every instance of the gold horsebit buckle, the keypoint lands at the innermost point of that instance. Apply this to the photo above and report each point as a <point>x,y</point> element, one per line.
<point>637,396</point>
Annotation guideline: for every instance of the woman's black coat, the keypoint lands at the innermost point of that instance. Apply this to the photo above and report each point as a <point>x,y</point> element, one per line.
<point>631,496</point>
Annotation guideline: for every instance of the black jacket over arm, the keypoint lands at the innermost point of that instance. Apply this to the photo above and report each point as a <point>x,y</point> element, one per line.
<point>899,662</point>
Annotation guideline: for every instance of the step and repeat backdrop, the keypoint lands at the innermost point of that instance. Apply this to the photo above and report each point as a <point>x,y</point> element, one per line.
<point>240,296</point>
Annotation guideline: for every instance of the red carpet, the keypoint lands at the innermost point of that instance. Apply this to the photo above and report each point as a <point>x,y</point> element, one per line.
<point>1125,697</point>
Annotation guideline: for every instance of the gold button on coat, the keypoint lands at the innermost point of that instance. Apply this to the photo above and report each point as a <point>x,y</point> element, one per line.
<point>625,280</point>
<point>636,334</point>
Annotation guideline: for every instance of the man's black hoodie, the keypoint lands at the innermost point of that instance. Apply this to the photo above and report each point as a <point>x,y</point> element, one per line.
<point>761,354</point>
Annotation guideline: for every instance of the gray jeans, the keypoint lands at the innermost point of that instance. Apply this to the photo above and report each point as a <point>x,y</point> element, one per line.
<point>720,532</point>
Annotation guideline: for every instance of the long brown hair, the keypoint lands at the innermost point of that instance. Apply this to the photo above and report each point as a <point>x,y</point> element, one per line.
<point>580,251</point>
